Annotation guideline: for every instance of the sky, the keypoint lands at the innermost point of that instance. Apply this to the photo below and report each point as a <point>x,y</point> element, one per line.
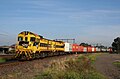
<point>89,21</point>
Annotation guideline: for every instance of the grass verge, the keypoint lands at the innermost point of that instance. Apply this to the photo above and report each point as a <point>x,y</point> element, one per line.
<point>2,60</point>
<point>117,63</point>
<point>80,68</point>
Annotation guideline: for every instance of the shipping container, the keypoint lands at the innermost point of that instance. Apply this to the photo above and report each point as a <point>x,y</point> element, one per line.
<point>93,49</point>
<point>68,47</point>
<point>89,49</point>
<point>107,50</point>
<point>81,49</point>
<point>103,49</point>
<point>85,49</point>
<point>75,47</point>
<point>110,50</point>
<point>97,49</point>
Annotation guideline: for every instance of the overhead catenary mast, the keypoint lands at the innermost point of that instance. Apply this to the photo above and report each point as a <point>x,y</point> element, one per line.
<point>66,40</point>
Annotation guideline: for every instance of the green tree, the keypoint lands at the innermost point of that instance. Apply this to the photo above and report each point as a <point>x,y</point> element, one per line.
<point>116,45</point>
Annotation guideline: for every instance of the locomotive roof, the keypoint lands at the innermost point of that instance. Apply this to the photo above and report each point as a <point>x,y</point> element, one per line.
<point>26,32</point>
<point>31,33</point>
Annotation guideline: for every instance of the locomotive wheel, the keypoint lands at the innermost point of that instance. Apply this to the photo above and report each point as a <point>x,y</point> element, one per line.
<point>33,56</point>
<point>37,55</point>
<point>44,55</point>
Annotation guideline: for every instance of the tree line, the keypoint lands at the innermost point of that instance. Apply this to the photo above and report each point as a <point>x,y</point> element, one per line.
<point>116,45</point>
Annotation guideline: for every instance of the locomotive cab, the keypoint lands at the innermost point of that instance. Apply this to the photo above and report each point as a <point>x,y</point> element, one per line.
<point>26,44</point>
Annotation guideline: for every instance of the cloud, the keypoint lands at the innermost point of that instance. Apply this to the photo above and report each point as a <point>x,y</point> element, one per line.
<point>99,34</point>
<point>96,14</point>
<point>106,11</point>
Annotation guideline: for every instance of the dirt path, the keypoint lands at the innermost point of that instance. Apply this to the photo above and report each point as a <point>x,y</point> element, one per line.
<point>104,65</point>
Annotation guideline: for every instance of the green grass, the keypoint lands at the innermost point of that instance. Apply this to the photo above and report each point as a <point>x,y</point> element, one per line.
<point>2,60</point>
<point>80,68</point>
<point>117,63</point>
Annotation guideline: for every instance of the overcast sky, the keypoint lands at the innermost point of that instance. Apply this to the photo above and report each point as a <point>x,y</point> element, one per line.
<point>90,21</point>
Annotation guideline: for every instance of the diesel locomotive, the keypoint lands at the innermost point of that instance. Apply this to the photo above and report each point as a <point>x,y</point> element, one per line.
<point>31,45</point>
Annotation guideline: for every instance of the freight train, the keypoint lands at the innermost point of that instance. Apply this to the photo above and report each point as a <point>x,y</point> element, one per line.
<point>30,46</point>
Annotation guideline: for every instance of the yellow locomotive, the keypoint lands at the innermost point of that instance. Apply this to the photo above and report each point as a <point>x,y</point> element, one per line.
<point>30,46</point>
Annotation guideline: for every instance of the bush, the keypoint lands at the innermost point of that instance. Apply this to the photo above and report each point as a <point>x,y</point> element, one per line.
<point>2,60</point>
<point>80,68</point>
<point>117,64</point>
<point>71,75</point>
<point>44,75</point>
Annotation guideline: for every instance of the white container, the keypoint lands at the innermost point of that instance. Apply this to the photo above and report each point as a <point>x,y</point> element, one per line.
<point>97,49</point>
<point>104,49</point>
<point>85,49</point>
<point>68,47</point>
<point>93,49</point>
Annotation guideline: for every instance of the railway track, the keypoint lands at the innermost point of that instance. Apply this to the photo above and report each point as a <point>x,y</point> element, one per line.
<point>9,62</point>
<point>13,62</point>
<point>7,56</point>
<point>25,69</point>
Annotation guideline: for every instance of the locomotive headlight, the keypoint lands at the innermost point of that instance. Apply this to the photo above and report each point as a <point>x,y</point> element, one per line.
<point>33,51</point>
